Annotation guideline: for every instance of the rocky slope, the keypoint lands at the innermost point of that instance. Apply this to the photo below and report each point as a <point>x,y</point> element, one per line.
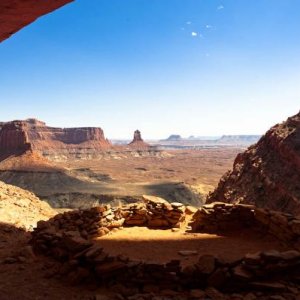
<point>268,173</point>
<point>15,14</point>
<point>19,136</point>
<point>21,208</point>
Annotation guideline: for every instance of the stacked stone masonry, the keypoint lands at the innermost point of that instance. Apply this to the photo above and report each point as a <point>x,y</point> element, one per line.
<point>69,239</point>
<point>220,217</point>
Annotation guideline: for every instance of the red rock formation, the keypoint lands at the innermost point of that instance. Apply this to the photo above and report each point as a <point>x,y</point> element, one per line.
<point>268,173</point>
<point>137,142</point>
<point>20,136</point>
<point>13,138</point>
<point>15,14</point>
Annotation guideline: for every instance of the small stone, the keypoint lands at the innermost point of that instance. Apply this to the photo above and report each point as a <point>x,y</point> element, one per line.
<point>78,276</point>
<point>271,255</point>
<point>241,273</point>
<point>290,255</point>
<point>206,264</point>
<point>151,288</point>
<point>277,297</point>
<point>93,252</point>
<point>110,267</point>
<point>253,258</point>
<point>187,252</point>
<point>190,210</point>
<point>268,286</point>
<point>250,296</point>
<point>28,252</point>
<point>197,293</point>
<point>76,243</point>
<point>236,297</point>
<point>218,278</point>
<point>296,226</point>
<point>293,290</point>
<point>168,293</point>
<point>124,291</point>
<point>158,223</point>
<point>10,260</point>
<point>102,297</point>
<point>22,259</point>
<point>214,205</point>
<point>214,294</point>
<point>176,204</point>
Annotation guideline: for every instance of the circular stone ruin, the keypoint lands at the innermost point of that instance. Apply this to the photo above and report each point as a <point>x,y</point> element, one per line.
<point>156,246</point>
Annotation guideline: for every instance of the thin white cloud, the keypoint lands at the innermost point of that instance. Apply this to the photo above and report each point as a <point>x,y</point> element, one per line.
<point>208,26</point>
<point>188,22</point>
<point>194,33</point>
<point>220,7</point>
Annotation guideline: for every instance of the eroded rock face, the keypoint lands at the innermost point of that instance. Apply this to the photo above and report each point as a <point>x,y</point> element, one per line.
<point>18,136</point>
<point>268,173</point>
<point>16,14</point>
<point>13,138</point>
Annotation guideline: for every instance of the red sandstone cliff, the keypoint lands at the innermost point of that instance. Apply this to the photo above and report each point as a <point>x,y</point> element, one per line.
<point>137,142</point>
<point>17,137</point>
<point>268,173</point>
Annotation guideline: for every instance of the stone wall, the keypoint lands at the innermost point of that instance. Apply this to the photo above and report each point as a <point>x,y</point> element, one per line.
<point>153,212</point>
<point>221,217</point>
<point>69,239</point>
<point>85,262</point>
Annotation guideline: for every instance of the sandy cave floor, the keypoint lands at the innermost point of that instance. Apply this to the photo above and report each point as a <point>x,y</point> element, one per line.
<point>161,246</point>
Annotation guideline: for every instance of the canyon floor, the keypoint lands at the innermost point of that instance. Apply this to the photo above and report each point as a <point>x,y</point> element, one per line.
<point>177,175</point>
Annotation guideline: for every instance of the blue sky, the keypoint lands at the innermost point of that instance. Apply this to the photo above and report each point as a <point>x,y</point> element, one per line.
<point>190,67</point>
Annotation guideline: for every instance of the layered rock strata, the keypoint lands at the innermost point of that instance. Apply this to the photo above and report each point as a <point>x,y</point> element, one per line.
<point>268,173</point>
<point>19,136</point>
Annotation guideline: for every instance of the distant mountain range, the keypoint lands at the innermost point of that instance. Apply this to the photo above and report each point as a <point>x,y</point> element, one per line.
<point>215,139</point>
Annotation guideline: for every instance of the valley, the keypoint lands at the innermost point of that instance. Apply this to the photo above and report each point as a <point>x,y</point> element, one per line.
<point>176,175</point>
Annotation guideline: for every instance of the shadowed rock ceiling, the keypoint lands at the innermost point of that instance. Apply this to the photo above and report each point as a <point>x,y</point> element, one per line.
<point>16,14</point>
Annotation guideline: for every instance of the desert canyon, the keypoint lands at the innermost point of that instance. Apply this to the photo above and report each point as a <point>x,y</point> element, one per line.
<point>84,217</point>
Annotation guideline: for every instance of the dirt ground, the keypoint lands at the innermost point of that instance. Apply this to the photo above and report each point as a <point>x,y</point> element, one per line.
<point>33,278</point>
<point>160,246</point>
